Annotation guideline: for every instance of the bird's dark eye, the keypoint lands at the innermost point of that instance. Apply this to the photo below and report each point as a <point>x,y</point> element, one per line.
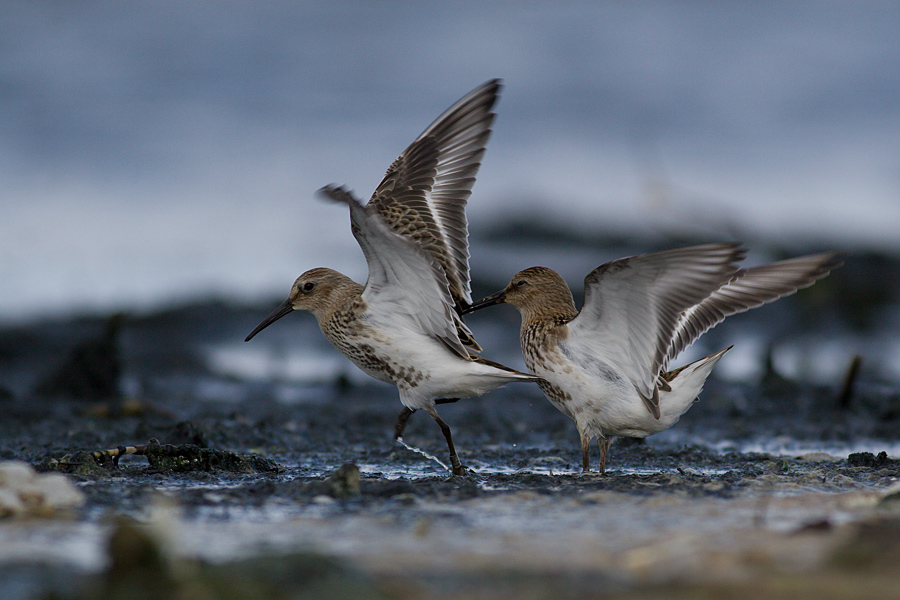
<point>521,282</point>
<point>308,286</point>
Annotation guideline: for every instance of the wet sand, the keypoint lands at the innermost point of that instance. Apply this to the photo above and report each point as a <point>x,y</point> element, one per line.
<point>524,524</point>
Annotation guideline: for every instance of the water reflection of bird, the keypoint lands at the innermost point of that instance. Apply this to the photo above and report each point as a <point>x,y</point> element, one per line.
<point>605,367</point>
<point>403,326</point>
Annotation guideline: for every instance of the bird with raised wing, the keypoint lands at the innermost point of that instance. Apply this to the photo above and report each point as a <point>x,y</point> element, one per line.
<point>606,366</point>
<point>404,326</point>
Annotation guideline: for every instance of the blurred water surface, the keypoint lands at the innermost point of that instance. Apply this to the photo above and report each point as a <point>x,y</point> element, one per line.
<point>159,152</point>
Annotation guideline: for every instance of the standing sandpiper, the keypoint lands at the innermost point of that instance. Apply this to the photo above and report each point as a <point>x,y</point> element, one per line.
<point>404,326</point>
<point>605,367</point>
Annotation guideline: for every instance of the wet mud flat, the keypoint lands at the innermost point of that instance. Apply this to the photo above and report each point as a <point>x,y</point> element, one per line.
<point>274,487</point>
<point>321,503</point>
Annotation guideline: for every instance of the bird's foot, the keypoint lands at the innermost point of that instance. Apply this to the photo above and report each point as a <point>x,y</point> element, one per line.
<point>589,473</point>
<point>456,466</point>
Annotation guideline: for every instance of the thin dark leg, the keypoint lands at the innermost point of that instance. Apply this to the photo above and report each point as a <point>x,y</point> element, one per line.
<point>458,469</point>
<point>402,418</point>
<point>603,443</point>
<point>585,456</point>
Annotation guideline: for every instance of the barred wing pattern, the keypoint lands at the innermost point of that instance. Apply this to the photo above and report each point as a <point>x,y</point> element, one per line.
<point>749,288</point>
<point>423,194</point>
<point>632,306</point>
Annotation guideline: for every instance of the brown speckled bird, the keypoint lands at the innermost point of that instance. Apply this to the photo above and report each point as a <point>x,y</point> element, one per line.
<point>606,366</point>
<point>404,326</point>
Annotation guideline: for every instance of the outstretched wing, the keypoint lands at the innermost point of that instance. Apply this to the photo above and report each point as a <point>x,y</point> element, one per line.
<point>423,195</point>
<point>747,289</point>
<point>632,306</point>
<point>405,284</point>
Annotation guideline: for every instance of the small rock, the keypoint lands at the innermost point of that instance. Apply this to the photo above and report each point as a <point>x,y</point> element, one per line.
<point>23,492</point>
<point>344,483</point>
<point>867,459</point>
<point>340,485</point>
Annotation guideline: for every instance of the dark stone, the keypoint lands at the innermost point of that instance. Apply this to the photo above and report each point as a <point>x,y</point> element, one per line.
<point>187,432</point>
<point>189,457</point>
<point>867,459</point>
<point>92,370</point>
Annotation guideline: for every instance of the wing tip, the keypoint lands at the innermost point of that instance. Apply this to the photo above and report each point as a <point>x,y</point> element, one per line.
<point>651,402</point>
<point>337,193</point>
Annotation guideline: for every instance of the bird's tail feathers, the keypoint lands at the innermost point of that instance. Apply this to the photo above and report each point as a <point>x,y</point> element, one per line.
<point>686,383</point>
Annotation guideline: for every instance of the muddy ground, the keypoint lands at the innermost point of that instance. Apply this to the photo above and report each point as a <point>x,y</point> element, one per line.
<point>291,489</point>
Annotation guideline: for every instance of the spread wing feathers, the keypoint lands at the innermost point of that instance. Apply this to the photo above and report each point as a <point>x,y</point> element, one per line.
<point>424,192</point>
<point>749,288</point>
<point>632,305</point>
<point>405,284</point>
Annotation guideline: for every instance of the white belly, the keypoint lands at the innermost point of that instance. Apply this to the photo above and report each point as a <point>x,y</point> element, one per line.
<point>420,366</point>
<point>599,400</point>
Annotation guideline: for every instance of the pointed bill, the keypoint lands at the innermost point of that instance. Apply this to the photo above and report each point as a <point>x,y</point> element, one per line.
<point>276,314</point>
<point>498,298</point>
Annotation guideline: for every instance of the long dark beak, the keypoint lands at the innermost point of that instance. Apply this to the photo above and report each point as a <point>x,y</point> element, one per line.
<point>279,312</point>
<point>497,298</point>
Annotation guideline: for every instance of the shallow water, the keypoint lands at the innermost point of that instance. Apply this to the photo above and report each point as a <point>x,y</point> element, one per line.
<point>698,495</point>
<point>633,526</point>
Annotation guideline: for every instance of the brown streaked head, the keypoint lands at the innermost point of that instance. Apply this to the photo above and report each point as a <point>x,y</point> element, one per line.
<point>318,291</point>
<point>534,291</point>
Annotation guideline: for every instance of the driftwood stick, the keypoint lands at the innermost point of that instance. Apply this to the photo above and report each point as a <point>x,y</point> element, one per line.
<point>120,451</point>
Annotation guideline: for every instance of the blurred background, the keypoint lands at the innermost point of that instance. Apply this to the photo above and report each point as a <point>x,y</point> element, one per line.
<point>159,154</point>
<point>158,168</point>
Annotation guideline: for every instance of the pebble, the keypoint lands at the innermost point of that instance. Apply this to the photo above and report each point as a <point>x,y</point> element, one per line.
<point>24,492</point>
